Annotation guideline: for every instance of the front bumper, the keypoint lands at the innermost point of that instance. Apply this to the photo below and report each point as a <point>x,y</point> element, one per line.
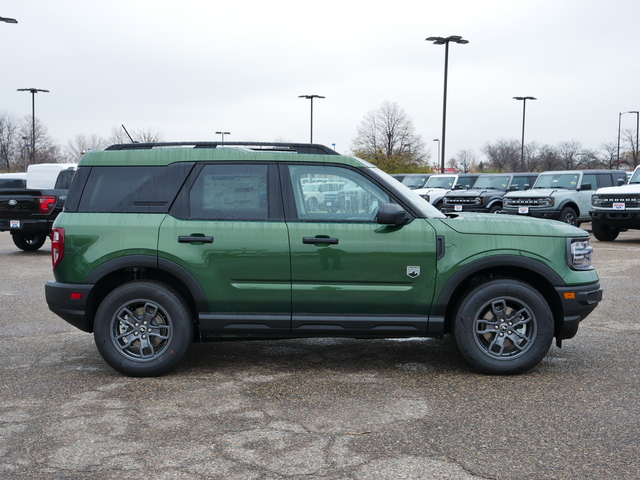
<point>618,219</point>
<point>550,214</point>
<point>69,301</point>
<point>577,303</point>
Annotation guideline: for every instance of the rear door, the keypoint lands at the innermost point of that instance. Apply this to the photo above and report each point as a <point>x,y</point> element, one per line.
<point>227,230</point>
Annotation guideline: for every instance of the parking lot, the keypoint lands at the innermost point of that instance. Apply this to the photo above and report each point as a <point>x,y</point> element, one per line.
<point>336,409</point>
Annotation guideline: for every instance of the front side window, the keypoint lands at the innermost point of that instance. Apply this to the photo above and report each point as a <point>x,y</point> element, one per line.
<point>230,192</point>
<point>324,192</point>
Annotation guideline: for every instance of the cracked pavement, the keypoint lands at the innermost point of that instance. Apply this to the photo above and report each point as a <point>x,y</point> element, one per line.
<point>334,409</point>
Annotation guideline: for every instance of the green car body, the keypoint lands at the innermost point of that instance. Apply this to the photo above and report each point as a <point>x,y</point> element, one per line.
<point>224,237</point>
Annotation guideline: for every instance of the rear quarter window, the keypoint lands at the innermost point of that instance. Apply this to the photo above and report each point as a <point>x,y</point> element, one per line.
<point>131,189</point>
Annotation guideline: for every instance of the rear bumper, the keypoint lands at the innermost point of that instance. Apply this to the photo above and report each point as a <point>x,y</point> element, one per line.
<point>69,302</point>
<point>577,303</point>
<point>41,227</point>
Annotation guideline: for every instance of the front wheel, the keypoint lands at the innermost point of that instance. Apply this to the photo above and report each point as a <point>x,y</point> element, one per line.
<point>503,327</point>
<point>143,328</point>
<point>29,242</point>
<point>604,233</point>
<point>569,215</point>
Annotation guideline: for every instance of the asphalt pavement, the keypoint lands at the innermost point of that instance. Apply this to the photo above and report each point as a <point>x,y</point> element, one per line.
<point>333,409</point>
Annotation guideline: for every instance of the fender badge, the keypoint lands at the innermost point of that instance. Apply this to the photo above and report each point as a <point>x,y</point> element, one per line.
<point>413,272</point>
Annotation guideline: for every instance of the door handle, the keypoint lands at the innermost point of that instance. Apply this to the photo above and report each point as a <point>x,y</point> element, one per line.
<point>320,239</point>
<point>194,239</point>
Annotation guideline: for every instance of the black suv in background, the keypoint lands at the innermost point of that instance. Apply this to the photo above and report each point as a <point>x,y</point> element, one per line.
<point>486,194</point>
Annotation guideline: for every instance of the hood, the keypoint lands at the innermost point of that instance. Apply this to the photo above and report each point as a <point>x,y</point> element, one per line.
<point>535,192</point>
<point>622,189</point>
<point>486,224</point>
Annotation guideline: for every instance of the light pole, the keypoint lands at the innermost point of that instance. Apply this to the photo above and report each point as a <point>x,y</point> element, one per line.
<point>445,41</point>
<point>8,20</point>
<point>438,140</point>
<point>33,118</point>
<point>223,134</point>
<point>637,125</point>
<point>25,145</point>
<point>524,110</point>
<point>311,97</point>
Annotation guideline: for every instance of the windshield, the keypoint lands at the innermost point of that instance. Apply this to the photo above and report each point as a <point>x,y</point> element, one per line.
<point>495,182</point>
<point>635,178</point>
<point>415,181</point>
<point>558,180</point>
<point>441,181</point>
<point>419,204</point>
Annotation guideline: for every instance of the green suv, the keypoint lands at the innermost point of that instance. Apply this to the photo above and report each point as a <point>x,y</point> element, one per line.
<point>160,245</point>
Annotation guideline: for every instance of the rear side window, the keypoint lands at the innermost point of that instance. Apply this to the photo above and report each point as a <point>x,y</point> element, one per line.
<point>230,192</point>
<point>132,189</point>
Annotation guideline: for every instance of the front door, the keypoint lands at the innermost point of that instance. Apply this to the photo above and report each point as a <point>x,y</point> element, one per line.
<point>349,272</point>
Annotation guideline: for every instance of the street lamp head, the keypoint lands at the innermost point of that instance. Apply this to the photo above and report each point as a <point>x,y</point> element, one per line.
<point>32,90</point>
<point>8,20</point>
<point>524,98</point>
<point>444,40</point>
<point>310,96</point>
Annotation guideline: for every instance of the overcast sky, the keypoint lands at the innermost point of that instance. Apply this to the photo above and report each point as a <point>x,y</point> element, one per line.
<point>194,67</point>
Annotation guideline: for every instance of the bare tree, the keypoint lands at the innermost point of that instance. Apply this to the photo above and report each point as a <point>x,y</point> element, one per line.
<point>81,144</point>
<point>149,135</point>
<point>47,151</point>
<point>568,153</point>
<point>9,144</point>
<point>630,138</point>
<point>386,137</point>
<point>466,160</point>
<point>503,156</point>
<point>608,155</point>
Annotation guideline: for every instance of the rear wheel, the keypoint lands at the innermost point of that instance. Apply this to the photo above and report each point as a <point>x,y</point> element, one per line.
<point>143,328</point>
<point>29,242</point>
<point>604,233</point>
<point>503,327</point>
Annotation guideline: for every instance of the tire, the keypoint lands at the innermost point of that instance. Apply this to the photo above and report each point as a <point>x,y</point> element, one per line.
<point>29,242</point>
<point>603,233</point>
<point>569,215</point>
<point>496,208</point>
<point>312,204</point>
<point>143,328</point>
<point>503,327</point>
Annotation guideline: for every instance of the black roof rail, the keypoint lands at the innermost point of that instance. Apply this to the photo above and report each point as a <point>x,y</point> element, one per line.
<point>309,148</point>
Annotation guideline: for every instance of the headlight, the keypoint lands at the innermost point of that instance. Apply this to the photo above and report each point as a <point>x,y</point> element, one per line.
<point>596,201</point>
<point>426,197</point>
<point>547,202</point>
<point>477,201</point>
<point>579,254</point>
<point>445,201</point>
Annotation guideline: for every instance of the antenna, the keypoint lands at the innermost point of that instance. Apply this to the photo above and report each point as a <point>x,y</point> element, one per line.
<point>125,131</point>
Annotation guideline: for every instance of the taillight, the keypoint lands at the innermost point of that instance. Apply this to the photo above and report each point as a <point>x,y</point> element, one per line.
<point>47,204</point>
<point>57,246</point>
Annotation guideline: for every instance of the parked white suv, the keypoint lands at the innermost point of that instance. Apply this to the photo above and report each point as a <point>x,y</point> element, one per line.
<point>438,185</point>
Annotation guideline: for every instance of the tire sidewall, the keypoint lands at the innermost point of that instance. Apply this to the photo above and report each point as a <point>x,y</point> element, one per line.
<point>22,243</point>
<point>170,301</point>
<point>564,214</point>
<point>495,289</point>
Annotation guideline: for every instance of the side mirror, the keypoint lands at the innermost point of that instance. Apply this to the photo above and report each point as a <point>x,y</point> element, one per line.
<point>527,186</point>
<point>392,214</point>
<point>513,188</point>
<point>621,181</point>
<point>585,186</point>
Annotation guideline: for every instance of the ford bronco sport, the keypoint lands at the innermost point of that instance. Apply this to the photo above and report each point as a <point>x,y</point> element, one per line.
<point>160,245</point>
